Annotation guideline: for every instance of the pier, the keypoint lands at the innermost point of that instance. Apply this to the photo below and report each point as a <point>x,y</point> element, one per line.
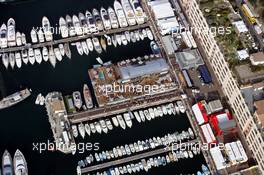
<point>133,158</point>
<point>124,107</point>
<point>75,38</point>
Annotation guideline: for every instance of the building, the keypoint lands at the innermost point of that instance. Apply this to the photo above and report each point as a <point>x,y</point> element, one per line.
<point>240,26</point>
<point>246,75</point>
<point>259,113</point>
<point>189,59</point>
<point>242,54</point>
<point>225,77</point>
<point>257,58</point>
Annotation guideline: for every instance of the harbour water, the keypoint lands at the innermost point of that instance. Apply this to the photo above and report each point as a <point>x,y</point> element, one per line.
<point>26,123</point>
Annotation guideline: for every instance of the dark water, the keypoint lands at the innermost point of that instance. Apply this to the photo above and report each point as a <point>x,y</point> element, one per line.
<point>26,123</point>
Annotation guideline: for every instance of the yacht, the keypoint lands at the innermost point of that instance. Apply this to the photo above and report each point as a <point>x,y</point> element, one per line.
<point>115,121</point>
<point>87,97</point>
<point>93,130</point>
<point>74,131</point>
<point>77,99</point>
<point>105,18</point>
<point>118,39</point>
<point>5,60</point>
<point>11,32</point>
<point>91,22</point>
<point>57,54</point>
<point>77,25</point>
<point>18,39</point>
<point>121,121</point>
<point>141,35</point>
<point>62,51</point>
<point>109,124</point>
<point>47,29</point>
<point>98,127</point>
<point>31,56</point>
<point>137,116</point>
<point>205,169</point>
<point>133,37</point>
<point>113,18</point>
<point>149,34</point>
<point>41,36</point>
<point>164,110</point>
<point>154,47</point>
<point>127,34</point>
<point>142,116</point>
<point>147,115</point>
<point>97,45</point>
<point>103,43</point>
<point>160,111</point>
<point>18,59</point>
<point>85,47</point>
<point>33,35</point>
<point>156,112</point>
<point>114,41</point>
<point>137,35</point>
<point>7,164</point>
<point>84,23</point>
<point>38,55</point>
<point>79,48</point>
<point>12,60</point>
<point>23,38</point>
<point>87,129</point>
<point>151,113</point>
<point>176,108</point>
<point>70,26</point>
<point>124,40</point>
<point>20,164</point>
<point>169,109</point>
<point>98,21</point>
<point>103,126</point>
<point>108,40</point>
<point>130,15</point>
<point>3,36</point>
<point>63,28</point>
<point>89,44</point>
<point>139,14</point>
<point>181,106</point>
<point>67,50</point>
<point>120,14</point>
<point>81,130</point>
<point>128,120</point>
<point>52,57</point>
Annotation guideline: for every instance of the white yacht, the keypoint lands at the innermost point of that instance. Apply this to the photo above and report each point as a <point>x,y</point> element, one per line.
<point>106,19</point>
<point>160,111</point>
<point>77,25</point>
<point>47,29</point>
<point>70,26</point>
<point>92,127</point>
<point>128,37</point>
<point>108,40</point>
<point>20,164</point>
<point>79,48</point>
<point>18,59</point>
<point>128,120</point>
<point>137,116</point>
<point>118,39</point>
<point>121,121</point>
<point>63,28</point>
<point>87,129</point>
<point>85,47</point>
<point>181,106</point>
<point>147,115</point>
<point>113,18</point>
<point>141,35</point>
<point>130,15</point>
<point>3,36</point>
<point>67,50</point>
<point>98,127</point>
<point>12,60</point>
<point>81,130</point>
<point>5,60</point>
<point>62,50</point>
<point>124,40</point>
<point>177,108</point>
<point>7,164</point>
<point>77,99</point>
<point>23,38</point>
<point>52,57</point>
<point>74,131</point>
<point>109,124</point>
<point>103,126</point>
<point>18,39</point>
<point>142,116</point>
<point>84,23</point>
<point>31,56</point>
<point>34,37</point>
<point>115,121</point>
<point>149,34</point>
<point>120,14</point>
<point>41,36</point>
<point>97,45</point>
<point>114,41</point>
<point>38,55</point>
<point>11,32</point>
<point>57,54</point>
<point>87,97</point>
<point>89,44</point>
<point>24,54</point>
<point>98,21</point>
<point>133,37</point>
<point>103,43</point>
<point>91,22</point>
<point>137,35</point>
<point>45,54</point>
<point>140,15</point>
<point>151,113</point>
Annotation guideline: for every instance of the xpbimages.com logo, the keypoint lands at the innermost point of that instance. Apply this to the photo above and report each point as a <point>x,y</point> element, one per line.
<point>78,148</point>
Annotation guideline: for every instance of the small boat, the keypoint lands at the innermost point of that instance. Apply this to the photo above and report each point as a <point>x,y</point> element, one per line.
<point>18,39</point>
<point>77,25</point>
<point>57,54</point>
<point>84,47</point>
<point>31,56</point>
<point>124,40</point>
<point>127,34</point>
<point>113,18</point>
<point>79,48</point>
<point>121,121</point>
<point>45,54</point>
<point>98,127</point>
<point>106,19</point>
<point>199,173</point>
<point>93,130</point>
<point>137,116</point>
<point>62,51</point>
<point>120,14</point>
<point>3,36</point>
<point>144,32</point>
<point>18,59</point>
<point>118,39</point>
<point>103,126</point>
<point>191,132</point>
<point>160,111</point>
<point>67,50</point>
<point>84,23</point>
<point>130,16</point>
<point>74,131</point>
<point>7,164</point>
<point>115,121</point>
<point>133,37</point>
<point>38,55</point>
<point>142,116</point>
<point>108,40</point>
<point>181,106</point>
<point>109,124</point>
<point>41,36</point>
<point>147,115</point>
<point>97,45</point>
<point>141,35</point>
<point>91,22</point>
<point>114,41</point>
<point>139,14</point>
<point>155,48</point>
<point>52,57</point>
<point>151,113</point>
<point>33,35</point>
<point>164,110</point>
<point>205,169</point>
<point>99,60</point>
<point>12,60</point>
<point>81,130</point>
<point>77,99</point>
<point>103,43</point>
<point>47,29</point>
<point>137,35</point>
<point>23,38</point>
<point>128,120</point>
<point>70,26</point>
<point>89,44</point>
<point>5,60</point>
<point>87,129</point>
<point>87,97</point>
<point>149,34</point>
<point>98,21</point>
<point>63,28</point>
<point>11,32</point>
<point>176,108</point>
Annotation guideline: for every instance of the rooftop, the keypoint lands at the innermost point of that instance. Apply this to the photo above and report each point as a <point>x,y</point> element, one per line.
<point>260,111</point>
<point>189,59</point>
<point>246,75</point>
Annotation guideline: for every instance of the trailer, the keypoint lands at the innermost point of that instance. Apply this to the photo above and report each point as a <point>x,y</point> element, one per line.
<point>247,12</point>
<point>187,78</point>
<point>205,74</point>
<point>199,113</point>
<point>208,134</point>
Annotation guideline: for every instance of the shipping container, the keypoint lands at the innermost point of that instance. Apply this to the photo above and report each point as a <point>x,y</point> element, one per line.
<point>187,78</point>
<point>199,113</point>
<point>205,74</point>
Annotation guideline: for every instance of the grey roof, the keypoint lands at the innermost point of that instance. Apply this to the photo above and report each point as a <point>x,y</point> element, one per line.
<point>149,67</point>
<point>227,124</point>
<point>189,59</point>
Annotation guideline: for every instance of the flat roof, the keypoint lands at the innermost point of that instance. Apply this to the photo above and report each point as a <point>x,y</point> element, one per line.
<point>260,111</point>
<point>189,59</point>
<point>257,57</point>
